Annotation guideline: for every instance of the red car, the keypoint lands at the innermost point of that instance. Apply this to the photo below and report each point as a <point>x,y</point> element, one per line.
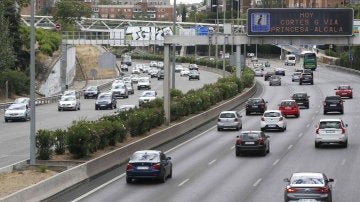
<point>289,107</point>
<point>344,91</point>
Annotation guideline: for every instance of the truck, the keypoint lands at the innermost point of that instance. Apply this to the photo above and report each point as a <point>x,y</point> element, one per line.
<point>290,60</point>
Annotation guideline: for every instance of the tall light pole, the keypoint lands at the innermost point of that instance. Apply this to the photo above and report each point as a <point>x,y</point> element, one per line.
<point>217,31</point>
<point>174,50</point>
<point>223,54</point>
<point>32,84</point>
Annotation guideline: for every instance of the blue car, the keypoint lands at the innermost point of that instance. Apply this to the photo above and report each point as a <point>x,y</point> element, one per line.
<point>149,164</point>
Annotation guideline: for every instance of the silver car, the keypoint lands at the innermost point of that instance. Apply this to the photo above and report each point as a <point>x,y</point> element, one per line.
<point>275,80</point>
<point>17,112</point>
<point>229,120</point>
<point>329,131</point>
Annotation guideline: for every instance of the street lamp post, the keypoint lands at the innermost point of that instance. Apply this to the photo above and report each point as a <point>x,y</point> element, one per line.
<point>217,31</point>
<point>174,50</point>
<point>223,54</point>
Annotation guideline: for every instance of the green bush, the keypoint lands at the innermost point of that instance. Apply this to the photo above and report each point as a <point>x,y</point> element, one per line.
<point>121,132</point>
<point>80,139</point>
<point>44,143</point>
<point>60,141</point>
<point>247,78</point>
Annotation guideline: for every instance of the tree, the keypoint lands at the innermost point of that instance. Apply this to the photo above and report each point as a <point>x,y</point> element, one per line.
<point>6,41</point>
<point>68,11</point>
<point>183,13</point>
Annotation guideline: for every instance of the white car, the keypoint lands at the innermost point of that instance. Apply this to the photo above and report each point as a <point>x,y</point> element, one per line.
<point>124,108</point>
<point>153,64</point>
<point>160,64</point>
<point>120,90</point>
<point>71,92</point>
<point>273,120</point>
<point>185,72</point>
<point>134,78</point>
<point>143,83</point>
<point>69,102</point>
<point>258,72</point>
<point>147,96</point>
<point>136,71</point>
<point>17,112</point>
<point>178,68</point>
<point>229,120</point>
<point>329,131</point>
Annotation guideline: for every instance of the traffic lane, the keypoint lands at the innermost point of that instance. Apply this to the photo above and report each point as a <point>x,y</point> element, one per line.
<point>218,150</point>
<point>14,136</point>
<point>341,164</point>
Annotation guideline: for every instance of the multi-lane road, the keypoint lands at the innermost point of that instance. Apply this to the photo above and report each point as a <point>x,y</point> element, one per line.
<point>14,136</point>
<point>205,167</point>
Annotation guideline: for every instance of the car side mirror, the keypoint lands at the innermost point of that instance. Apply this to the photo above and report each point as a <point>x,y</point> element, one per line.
<point>330,180</point>
<point>168,158</point>
<point>268,136</point>
<point>237,136</point>
<point>346,125</point>
<point>286,180</point>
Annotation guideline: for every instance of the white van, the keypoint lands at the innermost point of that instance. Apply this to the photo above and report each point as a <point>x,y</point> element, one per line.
<point>290,60</point>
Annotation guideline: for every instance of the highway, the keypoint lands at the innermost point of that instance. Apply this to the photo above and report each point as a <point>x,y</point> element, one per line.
<point>205,167</point>
<point>14,136</point>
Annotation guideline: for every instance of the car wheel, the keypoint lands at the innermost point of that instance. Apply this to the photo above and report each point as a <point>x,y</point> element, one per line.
<point>170,174</point>
<point>342,112</point>
<point>128,180</point>
<point>59,109</point>
<point>317,145</point>
<point>263,153</point>
<point>6,120</point>
<point>269,84</point>
<point>218,129</point>
<point>247,113</point>
<point>237,152</point>
<point>297,115</point>
<point>307,106</point>
<point>263,129</point>
<point>325,112</point>
<point>163,177</point>
<point>300,83</point>
<point>345,144</point>
<point>79,107</point>
<point>241,126</point>
<point>268,150</point>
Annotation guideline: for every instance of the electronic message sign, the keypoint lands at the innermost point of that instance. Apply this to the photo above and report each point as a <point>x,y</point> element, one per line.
<point>300,22</point>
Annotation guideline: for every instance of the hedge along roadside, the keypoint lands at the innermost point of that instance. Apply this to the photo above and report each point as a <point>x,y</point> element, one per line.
<point>71,177</point>
<point>86,137</point>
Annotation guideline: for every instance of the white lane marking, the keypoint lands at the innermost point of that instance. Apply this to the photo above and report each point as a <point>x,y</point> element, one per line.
<point>189,140</point>
<point>343,162</point>
<point>301,134</point>
<point>257,182</point>
<point>211,162</point>
<point>98,188</point>
<point>122,175</point>
<point>277,161</point>
<point>233,147</point>
<point>290,146</point>
<point>308,125</point>
<point>183,182</point>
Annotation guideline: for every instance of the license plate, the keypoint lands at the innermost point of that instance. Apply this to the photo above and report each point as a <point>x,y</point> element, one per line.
<point>272,126</point>
<point>255,106</point>
<point>300,103</point>
<point>307,200</point>
<point>103,105</point>
<point>142,167</point>
<point>287,107</point>
<point>330,131</point>
<point>249,142</point>
<point>344,93</point>
<point>333,105</point>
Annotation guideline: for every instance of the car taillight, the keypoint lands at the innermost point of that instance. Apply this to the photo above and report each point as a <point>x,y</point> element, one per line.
<point>262,105</point>
<point>262,119</point>
<point>291,190</point>
<point>260,140</point>
<point>156,166</point>
<point>129,166</point>
<point>281,118</point>
<point>343,130</point>
<point>236,119</point>
<point>219,120</point>
<point>324,103</point>
<point>317,131</point>
<point>247,105</point>
<point>323,190</point>
<point>281,108</point>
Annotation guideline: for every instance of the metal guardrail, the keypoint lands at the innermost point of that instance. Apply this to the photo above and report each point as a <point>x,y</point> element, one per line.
<point>52,99</point>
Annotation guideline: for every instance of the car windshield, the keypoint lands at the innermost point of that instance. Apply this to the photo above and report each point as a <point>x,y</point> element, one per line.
<point>330,124</point>
<point>153,157</point>
<point>21,100</point>
<point>119,87</point>
<point>148,94</point>
<point>227,115</point>
<point>333,98</point>
<point>271,114</point>
<point>253,101</point>
<point>105,96</point>
<point>143,80</point>
<point>307,180</point>
<point>344,87</point>
<point>287,103</point>
<point>299,95</point>
<point>17,107</point>
<point>249,136</point>
<point>92,88</point>
<point>68,99</point>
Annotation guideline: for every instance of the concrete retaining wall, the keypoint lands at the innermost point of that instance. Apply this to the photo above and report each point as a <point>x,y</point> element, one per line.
<point>77,174</point>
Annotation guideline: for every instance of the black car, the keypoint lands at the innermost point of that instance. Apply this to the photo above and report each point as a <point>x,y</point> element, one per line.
<point>91,92</point>
<point>302,99</point>
<point>308,186</point>
<point>105,101</point>
<point>255,105</point>
<point>149,164</point>
<point>333,103</point>
<point>306,78</point>
<point>160,74</point>
<point>268,75</point>
<point>252,141</point>
<point>194,74</point>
